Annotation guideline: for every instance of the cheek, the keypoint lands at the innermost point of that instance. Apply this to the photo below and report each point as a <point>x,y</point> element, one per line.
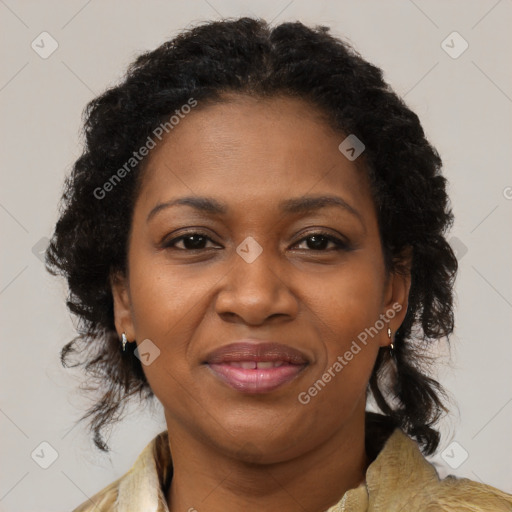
<point>165,297</point>
<point>348,301</point>
<point>347,310</point>
<point>165,307</point>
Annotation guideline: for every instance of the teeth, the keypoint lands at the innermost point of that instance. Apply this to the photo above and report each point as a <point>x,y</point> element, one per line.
<point>253,365</point>
<point>265,365</point>
<point>246,365</point>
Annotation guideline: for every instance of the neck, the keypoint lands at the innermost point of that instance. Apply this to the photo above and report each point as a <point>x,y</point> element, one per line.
<point>205,479</point>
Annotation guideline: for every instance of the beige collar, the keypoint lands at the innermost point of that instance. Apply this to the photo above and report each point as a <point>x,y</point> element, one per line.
<point>399,462</point>
<point>399,472</point>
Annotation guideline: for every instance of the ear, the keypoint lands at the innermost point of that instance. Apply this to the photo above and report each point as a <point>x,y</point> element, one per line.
<point>122,305</point>
<point>396,293</point>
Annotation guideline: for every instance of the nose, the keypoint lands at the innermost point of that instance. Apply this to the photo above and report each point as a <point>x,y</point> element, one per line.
<point>255,292</point>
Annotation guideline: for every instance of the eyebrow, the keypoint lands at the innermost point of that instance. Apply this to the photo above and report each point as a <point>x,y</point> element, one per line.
<point>290,206</point>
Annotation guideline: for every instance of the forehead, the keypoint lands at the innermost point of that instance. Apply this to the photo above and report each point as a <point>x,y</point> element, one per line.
<point>254,151</point>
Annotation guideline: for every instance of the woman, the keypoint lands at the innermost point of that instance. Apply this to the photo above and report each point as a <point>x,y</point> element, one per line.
<point>254,235</point>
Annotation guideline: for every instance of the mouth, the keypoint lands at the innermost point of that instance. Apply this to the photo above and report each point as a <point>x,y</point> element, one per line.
<point>252,366</point>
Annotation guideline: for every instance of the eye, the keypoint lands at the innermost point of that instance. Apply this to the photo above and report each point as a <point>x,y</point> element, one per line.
<point>191,242</point>
<point>319,241</point>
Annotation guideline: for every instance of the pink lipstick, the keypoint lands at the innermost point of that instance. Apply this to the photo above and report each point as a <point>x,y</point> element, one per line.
<point>255,366</point>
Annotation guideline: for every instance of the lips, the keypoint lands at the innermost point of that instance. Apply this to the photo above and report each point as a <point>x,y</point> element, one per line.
<point>255,366</point>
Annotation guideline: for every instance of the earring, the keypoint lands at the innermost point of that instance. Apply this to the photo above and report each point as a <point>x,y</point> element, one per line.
<point>391,345</point>
<point>124,341</point>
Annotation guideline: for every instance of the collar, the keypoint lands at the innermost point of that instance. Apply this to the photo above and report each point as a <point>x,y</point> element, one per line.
<point>399,461</point>
<point>398,473</point>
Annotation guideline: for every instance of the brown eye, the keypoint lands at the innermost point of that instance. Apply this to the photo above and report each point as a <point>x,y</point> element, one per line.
<point>321,241</point>
<point>190,242</point>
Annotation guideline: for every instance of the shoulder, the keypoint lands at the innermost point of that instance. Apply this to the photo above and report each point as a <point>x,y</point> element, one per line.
<point>141,487</point>
<point>102,501</point>
<point>402,476</point>
<point>463,495</point>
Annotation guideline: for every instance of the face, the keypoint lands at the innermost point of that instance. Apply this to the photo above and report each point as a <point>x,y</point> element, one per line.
<point>260,258</point>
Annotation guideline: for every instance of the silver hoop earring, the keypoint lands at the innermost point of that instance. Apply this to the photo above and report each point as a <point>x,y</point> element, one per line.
<point>124,341</point>
<point>391,345</point>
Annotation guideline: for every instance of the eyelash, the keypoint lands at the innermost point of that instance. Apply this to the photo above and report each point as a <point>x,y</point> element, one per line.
<point>340,245</point>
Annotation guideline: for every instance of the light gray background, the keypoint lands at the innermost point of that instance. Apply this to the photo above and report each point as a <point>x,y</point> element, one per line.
<point>465,106</point>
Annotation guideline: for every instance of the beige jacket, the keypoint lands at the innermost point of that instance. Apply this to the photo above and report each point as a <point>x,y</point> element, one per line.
<point>400,479</point>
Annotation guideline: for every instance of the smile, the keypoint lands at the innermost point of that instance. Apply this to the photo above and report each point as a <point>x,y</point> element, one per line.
<point>256,376</point>
<point>256,366</point>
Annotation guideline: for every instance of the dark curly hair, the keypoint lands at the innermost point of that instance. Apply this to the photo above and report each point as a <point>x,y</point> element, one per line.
<point>247,56</point>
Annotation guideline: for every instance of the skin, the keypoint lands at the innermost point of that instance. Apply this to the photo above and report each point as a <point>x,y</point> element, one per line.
<point>234,451</point>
